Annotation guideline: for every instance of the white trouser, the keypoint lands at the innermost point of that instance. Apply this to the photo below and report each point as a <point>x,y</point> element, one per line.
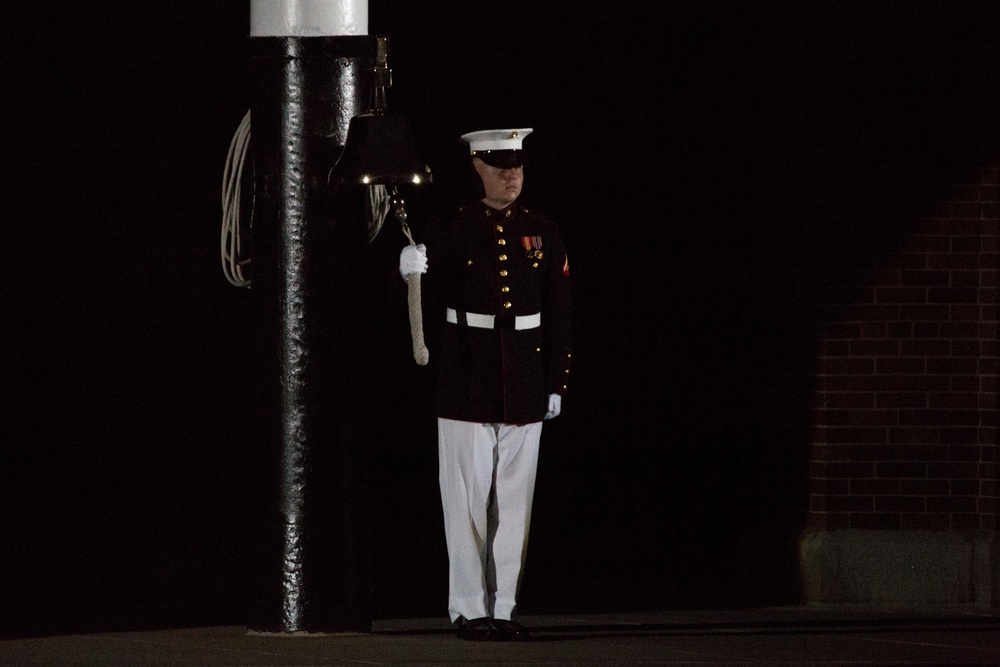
<point>487,476</point>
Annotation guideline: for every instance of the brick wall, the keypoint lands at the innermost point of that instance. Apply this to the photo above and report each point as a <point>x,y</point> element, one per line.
<point>904,431</point>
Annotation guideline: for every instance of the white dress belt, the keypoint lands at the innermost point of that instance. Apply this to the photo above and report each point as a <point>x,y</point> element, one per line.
<point>479,321</point>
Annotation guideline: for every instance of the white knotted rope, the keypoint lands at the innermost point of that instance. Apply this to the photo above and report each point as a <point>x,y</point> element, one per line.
<point>420,353</point>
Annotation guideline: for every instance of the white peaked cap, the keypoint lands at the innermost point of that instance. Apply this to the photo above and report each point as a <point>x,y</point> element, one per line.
<point>496,140</point>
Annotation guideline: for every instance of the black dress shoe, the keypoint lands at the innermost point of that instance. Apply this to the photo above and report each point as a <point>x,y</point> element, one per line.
<point>511,631</point>
<point>477,630</point>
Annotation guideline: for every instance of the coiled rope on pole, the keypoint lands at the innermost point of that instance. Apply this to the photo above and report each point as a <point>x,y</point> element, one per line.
<point>234,263</point>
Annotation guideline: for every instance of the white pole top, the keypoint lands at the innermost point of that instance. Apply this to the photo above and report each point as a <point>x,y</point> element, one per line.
<point>308,18</point>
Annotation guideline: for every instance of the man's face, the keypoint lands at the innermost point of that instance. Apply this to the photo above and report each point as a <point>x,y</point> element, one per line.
<point>502,185</point>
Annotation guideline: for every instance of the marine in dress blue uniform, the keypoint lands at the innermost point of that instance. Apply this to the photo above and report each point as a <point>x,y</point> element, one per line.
<point>504,363</point>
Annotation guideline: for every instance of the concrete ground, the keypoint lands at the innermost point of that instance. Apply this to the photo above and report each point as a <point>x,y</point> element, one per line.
<point>776,636</point>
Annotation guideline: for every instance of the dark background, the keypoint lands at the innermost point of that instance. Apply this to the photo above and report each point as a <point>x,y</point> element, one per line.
<point>715,167</point>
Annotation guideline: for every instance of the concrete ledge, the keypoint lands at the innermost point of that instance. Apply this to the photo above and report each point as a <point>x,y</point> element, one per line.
<point>900,567</point>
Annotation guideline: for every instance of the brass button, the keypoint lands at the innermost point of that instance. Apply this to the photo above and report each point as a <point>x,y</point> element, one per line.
<point>503,273</point>
<point>470,262</point>
<point>538,349</point>
<point>500,228</point>
<point>488,213</point>
<point>502,242</point>
<point>508,213</point>
<point>534,265</point>
<point>507,304</point>
<point>504,289</point>
<point>503,258</point>
<point>569,355</point>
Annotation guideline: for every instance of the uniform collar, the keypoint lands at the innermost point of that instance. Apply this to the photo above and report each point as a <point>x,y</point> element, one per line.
<point>493,214</point>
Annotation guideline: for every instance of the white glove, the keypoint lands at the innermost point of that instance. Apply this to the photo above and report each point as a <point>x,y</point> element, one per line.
<point>555,406</point>
<point>413,259</point>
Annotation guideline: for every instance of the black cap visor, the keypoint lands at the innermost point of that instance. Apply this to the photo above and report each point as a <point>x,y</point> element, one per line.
<point>504,159</point>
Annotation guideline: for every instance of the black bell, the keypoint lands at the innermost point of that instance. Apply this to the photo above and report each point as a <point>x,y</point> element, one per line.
<point>379,151</point>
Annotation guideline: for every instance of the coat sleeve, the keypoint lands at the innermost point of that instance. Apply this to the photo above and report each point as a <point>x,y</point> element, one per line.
<point>556,303</point>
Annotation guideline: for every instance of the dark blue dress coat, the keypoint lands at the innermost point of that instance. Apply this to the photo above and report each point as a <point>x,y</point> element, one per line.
<point>505,263</point>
